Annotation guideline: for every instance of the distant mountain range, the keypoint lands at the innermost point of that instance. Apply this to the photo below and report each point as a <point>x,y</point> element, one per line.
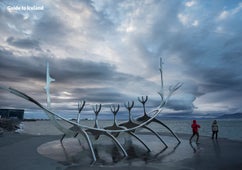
<point>230,116</point>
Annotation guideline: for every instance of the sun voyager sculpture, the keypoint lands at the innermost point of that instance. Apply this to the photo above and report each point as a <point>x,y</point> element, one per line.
<point>129,127</point>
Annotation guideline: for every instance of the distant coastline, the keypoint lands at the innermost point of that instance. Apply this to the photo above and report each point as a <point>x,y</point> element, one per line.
<point>231,116</point>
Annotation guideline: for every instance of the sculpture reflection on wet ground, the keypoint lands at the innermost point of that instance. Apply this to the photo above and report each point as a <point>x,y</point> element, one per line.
<point>71,153</point>
<point>113,132</point>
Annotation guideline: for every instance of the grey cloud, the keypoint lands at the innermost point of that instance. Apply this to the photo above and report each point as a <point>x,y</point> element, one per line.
<point>100,95</point>
<point>23,43</point>
<point>181,105</point>
<point>86,71</point>
<point>50,28</point>
<point>14,67</point>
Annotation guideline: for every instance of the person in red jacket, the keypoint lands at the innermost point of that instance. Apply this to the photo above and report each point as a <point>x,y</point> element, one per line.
<point>195,127</point>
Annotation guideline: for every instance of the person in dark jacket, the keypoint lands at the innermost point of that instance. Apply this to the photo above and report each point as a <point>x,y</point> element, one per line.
<point>195,127</point>
<point>214,129</point>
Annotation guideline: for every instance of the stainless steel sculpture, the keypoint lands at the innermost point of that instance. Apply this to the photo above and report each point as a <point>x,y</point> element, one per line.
<point>112,132</point>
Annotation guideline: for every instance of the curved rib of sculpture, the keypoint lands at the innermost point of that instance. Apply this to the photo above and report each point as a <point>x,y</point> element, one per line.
<point>146,117</point>
<point>130,124</point>
<point>111,131</point>
<point>96,134</point>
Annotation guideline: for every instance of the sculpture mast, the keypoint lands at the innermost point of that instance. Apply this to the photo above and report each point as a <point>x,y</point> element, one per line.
<point>47,86</point>
<point>161,93</point>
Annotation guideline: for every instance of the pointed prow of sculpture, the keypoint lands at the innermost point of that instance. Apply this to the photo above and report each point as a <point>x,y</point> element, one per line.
<point>47,86</point>
<point>172,89</point>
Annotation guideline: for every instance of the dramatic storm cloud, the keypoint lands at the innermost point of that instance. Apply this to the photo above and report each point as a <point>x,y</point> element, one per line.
<point>107,51</point>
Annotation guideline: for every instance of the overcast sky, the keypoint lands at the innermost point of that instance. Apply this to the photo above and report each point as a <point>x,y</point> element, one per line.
<point>107,51</point>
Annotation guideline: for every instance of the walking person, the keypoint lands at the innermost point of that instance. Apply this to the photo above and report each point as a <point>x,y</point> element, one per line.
<point>195,127</point>
<point>214,129</point>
